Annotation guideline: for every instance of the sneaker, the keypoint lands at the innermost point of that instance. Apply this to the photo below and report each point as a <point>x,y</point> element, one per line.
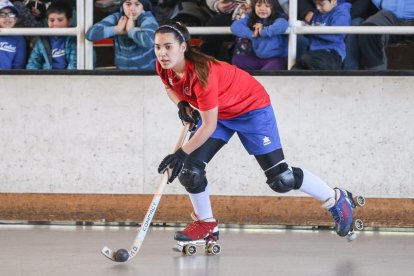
<point>341,210</point>
<point>199,230</point>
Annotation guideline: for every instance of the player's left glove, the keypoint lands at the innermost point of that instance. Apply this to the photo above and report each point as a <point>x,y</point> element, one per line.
<point>175,162</point>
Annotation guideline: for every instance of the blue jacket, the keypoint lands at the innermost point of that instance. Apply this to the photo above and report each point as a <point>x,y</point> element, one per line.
<point>40,59</point>
<point>12,52</point>
<point>270,43</point>
<point>402,9</point>
<point>338,16</point>
<point>134,50</point>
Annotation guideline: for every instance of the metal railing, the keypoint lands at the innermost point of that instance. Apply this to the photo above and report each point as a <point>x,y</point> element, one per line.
<point>84,11</point>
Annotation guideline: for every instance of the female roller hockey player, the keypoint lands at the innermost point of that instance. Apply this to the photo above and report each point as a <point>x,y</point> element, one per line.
<point>229,100</point>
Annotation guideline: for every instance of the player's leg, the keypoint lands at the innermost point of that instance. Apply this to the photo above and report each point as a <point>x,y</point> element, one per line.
<point>193,178</point>
<point>259,135</point>
<point>281,178</point>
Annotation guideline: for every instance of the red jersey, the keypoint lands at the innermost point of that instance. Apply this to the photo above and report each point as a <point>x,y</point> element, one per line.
<point>233,90</point>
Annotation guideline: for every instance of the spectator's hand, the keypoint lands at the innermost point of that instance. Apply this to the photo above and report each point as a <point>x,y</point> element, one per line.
<point>35,12</point>
<point>308,17</point>
<point>120,27</point>
<point>130,23</point>
<point>257,28</point>
<point>226,6</point>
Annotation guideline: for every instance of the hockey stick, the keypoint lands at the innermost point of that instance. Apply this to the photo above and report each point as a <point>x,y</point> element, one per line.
<point>122,255</point>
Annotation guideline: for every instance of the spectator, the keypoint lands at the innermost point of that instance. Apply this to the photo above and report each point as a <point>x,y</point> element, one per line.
<point>26,18</point>
<point>264,27</point>
<point>227,11</point>
<point>133,29</point>
<point>360,10</point>
<point>55,52</point>
<point>12,48</point>
<point>391,13</point>
<point>326,51</point>
<point>38,9</point>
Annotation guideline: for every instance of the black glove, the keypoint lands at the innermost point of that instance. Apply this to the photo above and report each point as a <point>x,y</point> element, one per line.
<point>175,161</point>
<point>192,118</point>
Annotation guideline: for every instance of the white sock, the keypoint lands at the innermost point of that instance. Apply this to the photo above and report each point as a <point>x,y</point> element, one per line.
<point>316,187</point>
<point>202,205</point>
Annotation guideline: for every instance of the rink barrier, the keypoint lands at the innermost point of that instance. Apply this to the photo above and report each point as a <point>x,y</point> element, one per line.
<point>244,210</point>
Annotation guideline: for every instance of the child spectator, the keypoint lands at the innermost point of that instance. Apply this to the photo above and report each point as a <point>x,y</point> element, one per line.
<point>55,52</point>
<point>326,51</point>
<point>264,27</point>
<point>12,48</point>
<point>133,29</point>
<point>360,10</point>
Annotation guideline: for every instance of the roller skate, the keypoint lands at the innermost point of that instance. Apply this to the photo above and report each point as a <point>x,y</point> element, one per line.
<point>341,208</point>
<point>198,233</point>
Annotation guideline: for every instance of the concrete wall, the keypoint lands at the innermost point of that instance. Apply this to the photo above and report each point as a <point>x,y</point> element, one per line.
<point>107,134</point>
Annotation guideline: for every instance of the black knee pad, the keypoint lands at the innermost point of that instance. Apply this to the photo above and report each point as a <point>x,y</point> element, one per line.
<point>282,179</point>
<point>193,176</point>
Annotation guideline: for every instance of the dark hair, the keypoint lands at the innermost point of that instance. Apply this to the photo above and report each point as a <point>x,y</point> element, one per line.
<point>276,12</point>
<point>201,61</point>
<point>61,6</point>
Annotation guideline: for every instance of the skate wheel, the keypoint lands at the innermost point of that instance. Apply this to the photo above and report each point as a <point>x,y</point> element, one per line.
<point>359,201</point>
<point>190,250</point>
<point>351,236</point>
<point>359,224</point>
<point>214,249</point>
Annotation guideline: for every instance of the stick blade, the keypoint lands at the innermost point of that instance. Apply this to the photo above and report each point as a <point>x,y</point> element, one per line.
<point>107,252</point>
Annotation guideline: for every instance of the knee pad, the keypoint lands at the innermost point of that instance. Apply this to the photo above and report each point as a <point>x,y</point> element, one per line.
<point>193,176</point>
<point>282,179</point>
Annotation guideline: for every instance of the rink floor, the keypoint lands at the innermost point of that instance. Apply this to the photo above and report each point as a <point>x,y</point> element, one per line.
<point>75,250</point>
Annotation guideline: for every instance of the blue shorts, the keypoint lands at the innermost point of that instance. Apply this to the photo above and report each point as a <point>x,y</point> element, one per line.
<point>256,129</point>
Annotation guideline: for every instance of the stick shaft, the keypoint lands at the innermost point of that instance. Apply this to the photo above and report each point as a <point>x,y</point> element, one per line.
<point>155,201</point>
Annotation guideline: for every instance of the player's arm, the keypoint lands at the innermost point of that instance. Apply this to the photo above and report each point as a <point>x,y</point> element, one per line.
<point>207,128</point>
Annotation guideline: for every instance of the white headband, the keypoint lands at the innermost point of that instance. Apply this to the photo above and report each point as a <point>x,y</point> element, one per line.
<point>175,29</point>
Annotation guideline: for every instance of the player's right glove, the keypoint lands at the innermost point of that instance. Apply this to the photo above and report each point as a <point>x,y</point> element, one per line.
<point>187,113</point>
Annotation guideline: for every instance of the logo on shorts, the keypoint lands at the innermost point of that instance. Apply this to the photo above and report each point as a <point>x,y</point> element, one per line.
<point>266,141</point>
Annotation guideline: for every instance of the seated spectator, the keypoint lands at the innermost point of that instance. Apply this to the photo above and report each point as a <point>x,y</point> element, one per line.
<point>264,28</point>
<point>133,29</point>
<point>227,11</point>
<point>391,13</point>
<point>38,9</point>
<point>55,52</point>
<point>326,51</point>
<point>26,18</point>
<point>360,10</point>
<point>12,48</point>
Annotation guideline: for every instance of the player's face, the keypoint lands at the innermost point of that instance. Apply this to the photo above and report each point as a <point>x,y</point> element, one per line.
<point>169,51</point>
<point>132,8</point>
<point>324,6</point>
<point>6,18</point>
<point>263,10</point>
<point>58,20</point>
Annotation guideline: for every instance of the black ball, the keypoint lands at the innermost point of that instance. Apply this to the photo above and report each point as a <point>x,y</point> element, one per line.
<point>121,255</point>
